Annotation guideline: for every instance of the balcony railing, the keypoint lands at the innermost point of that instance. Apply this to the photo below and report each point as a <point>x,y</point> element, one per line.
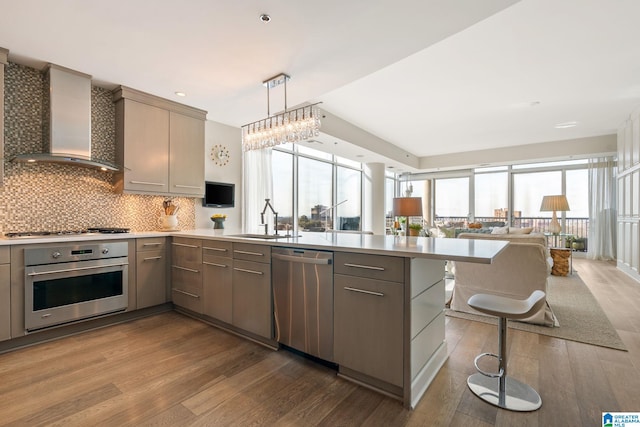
<point>577,227</point>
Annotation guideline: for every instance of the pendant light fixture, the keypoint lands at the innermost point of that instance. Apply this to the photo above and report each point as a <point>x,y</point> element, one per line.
<point>290,126</point>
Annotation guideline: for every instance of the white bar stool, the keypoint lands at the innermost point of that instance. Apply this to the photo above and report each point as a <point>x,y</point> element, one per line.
<point>497,388</point>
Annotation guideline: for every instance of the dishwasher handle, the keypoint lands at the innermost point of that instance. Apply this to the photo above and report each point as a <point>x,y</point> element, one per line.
<point>320,261</point>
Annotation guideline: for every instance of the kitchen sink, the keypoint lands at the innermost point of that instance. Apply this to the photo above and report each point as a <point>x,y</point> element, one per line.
<point>263,236</point>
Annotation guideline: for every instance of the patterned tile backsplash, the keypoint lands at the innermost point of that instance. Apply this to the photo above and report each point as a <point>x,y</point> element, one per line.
<point>59,197</point>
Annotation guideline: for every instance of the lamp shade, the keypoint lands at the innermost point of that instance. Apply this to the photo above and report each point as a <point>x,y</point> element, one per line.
<point>554,203</point>
<point>407,206</point>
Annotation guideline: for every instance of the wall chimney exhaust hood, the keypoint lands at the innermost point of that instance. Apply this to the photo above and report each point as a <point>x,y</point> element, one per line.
<point>67,132</point>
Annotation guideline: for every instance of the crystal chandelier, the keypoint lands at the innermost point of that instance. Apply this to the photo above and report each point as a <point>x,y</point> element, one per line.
<point>289,126</point>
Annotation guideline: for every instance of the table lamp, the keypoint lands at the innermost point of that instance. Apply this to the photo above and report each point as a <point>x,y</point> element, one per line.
<point>407,207</point>
<point>554,203</point>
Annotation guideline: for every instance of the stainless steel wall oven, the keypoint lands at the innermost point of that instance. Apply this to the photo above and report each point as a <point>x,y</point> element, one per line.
<point>71,282</point>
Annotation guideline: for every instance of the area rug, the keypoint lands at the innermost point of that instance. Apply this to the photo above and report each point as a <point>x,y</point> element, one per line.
<point>580,316</point>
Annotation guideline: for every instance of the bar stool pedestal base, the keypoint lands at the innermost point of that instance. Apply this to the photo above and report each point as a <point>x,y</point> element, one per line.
<point>517,396</point>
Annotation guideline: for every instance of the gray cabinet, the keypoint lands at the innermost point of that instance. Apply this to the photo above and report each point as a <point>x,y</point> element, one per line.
<point>186,152</point>
<point>143,147</point>
<point>252,303</point>
<point>151,272</point>
<point>5,293</point>
<point>186,273</point>
<point>369,316</point>
<point>160,145</point>
<point>217,288</point>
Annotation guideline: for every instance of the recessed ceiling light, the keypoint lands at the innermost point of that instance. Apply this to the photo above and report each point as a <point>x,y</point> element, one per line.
<point>359,155</point>
<point>566,125</point>
<point>181,93</point>
<point>264,18</point>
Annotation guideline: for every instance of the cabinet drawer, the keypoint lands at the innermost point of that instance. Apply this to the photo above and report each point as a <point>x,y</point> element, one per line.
<point>252,252</point>
<point>426,306</point>
<point>5,256</point>
<point>252,268</point>
<point>217,248</point>
<point>186,288</point>
<point>187,300</point>
<point>150,244</point>
<point>187,253</point>
<point>378,267</point>
<point>426,343</point>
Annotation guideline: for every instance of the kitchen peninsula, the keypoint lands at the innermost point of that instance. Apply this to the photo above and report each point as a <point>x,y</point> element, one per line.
<point>388,296</point>
<point>388,292</point>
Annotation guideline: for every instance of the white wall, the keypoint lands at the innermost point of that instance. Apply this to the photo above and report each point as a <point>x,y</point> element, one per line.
<point>218,134</point>
<point>629,195</point>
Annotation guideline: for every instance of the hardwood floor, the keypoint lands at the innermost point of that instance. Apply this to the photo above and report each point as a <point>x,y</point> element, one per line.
<point>170,370</point>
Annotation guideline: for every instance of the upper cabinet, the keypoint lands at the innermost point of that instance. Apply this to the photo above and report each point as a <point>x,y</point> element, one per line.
<point>160,145</point>
<point>186,154</point>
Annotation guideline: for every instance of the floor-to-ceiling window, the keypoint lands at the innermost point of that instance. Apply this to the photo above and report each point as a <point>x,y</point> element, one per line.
<point>512,194</point>
<point>316,191</point>
<point>452,197</point>
<point>491,194</point>
<point>528,191</point>
<point>283,187</point>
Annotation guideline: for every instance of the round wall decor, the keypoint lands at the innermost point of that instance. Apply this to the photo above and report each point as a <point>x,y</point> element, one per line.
<point>220,154</point>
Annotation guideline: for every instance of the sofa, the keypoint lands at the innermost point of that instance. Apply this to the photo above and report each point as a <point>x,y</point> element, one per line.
<point>523,267</point>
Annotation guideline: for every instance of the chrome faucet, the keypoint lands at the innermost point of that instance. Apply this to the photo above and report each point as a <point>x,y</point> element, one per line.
<point>275,215</point>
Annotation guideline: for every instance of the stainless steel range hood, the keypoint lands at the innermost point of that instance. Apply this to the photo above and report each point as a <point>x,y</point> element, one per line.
<point>67,133</point>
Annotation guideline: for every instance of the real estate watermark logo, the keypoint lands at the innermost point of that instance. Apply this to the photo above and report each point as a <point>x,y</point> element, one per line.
<point>620,419</point>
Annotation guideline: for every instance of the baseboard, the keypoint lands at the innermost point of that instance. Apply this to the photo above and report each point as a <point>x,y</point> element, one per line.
<point>631,272</point>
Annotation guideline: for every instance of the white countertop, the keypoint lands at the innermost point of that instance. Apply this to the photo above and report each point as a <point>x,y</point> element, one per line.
<point>469,250</point>
<point>80,237</point>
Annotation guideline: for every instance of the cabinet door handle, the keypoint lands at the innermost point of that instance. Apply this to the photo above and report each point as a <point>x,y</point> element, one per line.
<point>152,244</point>
<point>321,261</point>
<point>189,294</point>
<point>214,264</point>
<point>248,271</point>
<point>152,258</point>
<point>366,267</point>
<point>214,249</point>
<point>248,253</point>
<point>159,184</point>
<point>195,187</point>
<point>362,291</point>
<point>185,245</point>
<point>185,269</point>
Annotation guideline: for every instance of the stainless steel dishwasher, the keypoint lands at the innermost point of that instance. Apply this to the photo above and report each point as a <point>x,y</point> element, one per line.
<point>303,300</point>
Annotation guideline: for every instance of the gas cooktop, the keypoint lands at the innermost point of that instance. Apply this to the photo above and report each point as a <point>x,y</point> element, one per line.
<point>97,230</point>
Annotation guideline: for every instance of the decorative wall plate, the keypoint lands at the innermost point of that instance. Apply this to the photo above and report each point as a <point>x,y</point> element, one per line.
<point>220,154</point>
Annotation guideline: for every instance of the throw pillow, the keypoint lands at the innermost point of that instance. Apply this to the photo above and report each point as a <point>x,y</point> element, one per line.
<point>500,230</point>
<point>524,230</point>
<point>446,231</point>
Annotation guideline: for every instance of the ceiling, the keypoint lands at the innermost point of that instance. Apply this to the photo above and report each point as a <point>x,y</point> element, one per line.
<point>431,77</point>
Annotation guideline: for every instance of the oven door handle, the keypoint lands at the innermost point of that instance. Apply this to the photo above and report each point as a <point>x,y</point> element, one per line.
<point>68,270</point>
